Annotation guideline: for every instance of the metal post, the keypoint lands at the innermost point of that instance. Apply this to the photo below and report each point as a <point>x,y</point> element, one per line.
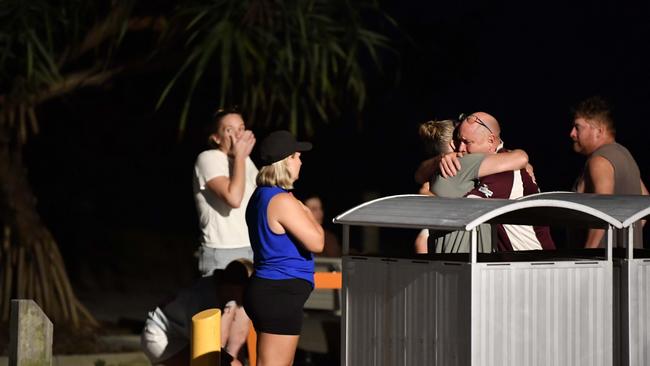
<point>344,304</point>
<point>610,241</point>
<point>630,241</point>
<point>474,310</point>
<point>346,239</point>
<point>344,296</point>
<point>628,344</point>
<point>473,245</point>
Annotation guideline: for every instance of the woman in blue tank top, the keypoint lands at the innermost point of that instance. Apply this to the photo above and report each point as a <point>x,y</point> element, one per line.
<point>283,234</point>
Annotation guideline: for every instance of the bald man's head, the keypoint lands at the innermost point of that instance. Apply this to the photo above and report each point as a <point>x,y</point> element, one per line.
<point>479,132</point>
<point>491,123</point>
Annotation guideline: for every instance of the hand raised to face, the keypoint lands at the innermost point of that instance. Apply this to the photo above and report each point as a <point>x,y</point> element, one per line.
<point>241,145</point>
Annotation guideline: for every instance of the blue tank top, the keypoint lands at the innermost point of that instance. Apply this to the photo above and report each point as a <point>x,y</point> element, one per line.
<point>276,256</point>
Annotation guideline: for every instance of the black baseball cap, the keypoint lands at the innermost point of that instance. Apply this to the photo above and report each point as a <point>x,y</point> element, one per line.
<point>280,144</point>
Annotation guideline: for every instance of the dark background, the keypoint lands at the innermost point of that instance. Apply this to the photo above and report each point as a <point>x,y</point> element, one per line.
<point>114,181</point>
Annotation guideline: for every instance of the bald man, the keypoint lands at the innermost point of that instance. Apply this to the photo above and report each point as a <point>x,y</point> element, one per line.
<point>609,169</point>
<point>480,132</point>
<point>449,164</point>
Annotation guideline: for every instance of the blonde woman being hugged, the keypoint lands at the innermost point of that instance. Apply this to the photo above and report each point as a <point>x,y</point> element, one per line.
<point>224,180</point>
<point>284,234</point>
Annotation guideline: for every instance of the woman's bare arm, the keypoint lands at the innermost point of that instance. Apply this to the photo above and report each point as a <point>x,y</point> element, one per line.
<point>287,214</point>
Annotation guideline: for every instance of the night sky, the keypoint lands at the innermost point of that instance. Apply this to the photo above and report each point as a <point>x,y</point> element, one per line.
<point>111,176</point>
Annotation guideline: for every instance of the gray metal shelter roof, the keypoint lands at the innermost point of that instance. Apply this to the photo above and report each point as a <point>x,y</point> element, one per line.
<point>419,211</point>
<point>627,209</point>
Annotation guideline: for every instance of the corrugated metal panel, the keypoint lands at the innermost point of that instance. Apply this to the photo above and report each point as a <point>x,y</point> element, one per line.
<point>543,314</point>
<point>453,313</point>
<point>639,317</point>
<point>407,312</point>
<point>419,282</point>
<point>365,336</point>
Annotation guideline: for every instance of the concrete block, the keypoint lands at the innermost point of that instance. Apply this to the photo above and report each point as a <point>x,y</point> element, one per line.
<point>30,335</point>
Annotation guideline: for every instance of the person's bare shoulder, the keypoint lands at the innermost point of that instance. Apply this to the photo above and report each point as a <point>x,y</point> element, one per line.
<point>598,166</point>
<point>600,176</point>
<point>284,205</point>
<point>284,199</point>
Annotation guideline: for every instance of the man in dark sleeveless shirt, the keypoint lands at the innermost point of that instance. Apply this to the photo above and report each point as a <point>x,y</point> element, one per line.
<point>609,169</point>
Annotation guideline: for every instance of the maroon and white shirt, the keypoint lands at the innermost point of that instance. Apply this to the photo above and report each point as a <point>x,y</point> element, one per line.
<point>510,185</point>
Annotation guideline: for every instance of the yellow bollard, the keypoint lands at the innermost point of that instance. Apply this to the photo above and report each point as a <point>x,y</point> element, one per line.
<point>206,338</point>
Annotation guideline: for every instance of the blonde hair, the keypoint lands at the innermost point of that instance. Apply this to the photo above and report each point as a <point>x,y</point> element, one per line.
<point>436,135</point>
<point>276,174</point>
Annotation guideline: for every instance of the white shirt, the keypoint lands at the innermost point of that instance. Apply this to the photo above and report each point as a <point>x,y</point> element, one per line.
<point>221,225</point>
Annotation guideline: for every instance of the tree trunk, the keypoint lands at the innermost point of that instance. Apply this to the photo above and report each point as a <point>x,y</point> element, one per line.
<point>31,266</point>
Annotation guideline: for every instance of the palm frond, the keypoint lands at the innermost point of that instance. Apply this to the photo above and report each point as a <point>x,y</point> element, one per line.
<point>288,64</point>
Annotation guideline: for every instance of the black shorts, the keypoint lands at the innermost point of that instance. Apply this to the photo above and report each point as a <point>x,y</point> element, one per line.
<point>275,306</point>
